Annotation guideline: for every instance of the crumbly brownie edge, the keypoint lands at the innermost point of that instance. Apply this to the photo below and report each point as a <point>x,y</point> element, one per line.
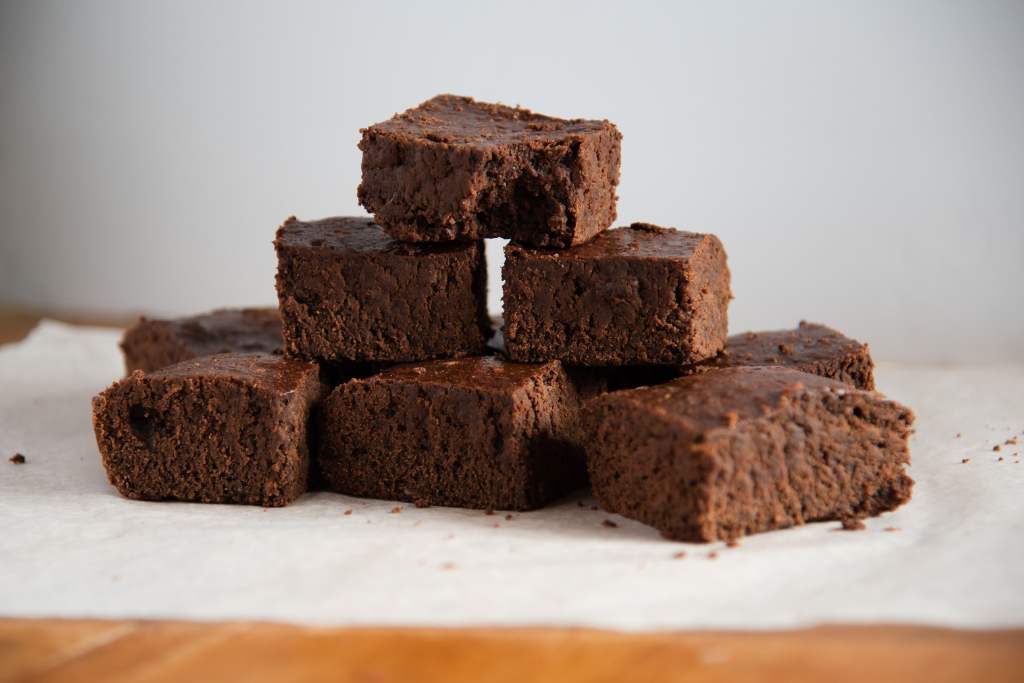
<point>708,287</point>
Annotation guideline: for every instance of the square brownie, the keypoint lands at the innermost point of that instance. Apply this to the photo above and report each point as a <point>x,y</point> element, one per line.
<point>229,428</point>
<point>812,348</point>
<point>475,432</point>
<point>456,169</point>
<point>641,295</point>
<point>737,451</point>
<point>154,343</point>
<point>349,292</point>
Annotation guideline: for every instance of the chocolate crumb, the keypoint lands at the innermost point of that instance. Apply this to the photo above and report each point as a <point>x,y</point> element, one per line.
<point>421,503</point>
<point>610,524</point>
<point>713,555</point>
<point>488,512</point>
<point>680,555</point>
<point>508,518</point>
<point>348,512</point>
<point>965,461</point>
<point>853,524</point>
<point>1000,459</point>
<point>785,349</point>
<point>732,543</point>
<point>997,448</point>
<point>891,528</point>
<point>18,459</point>
<point>395,510</point>
<point>1011,442</point>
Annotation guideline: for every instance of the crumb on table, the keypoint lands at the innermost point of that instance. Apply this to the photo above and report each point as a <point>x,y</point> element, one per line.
<point>17,459</point>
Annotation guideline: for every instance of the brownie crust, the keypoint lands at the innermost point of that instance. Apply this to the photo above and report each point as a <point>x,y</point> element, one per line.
<point>456,169</point>
<point>349,292</point>
<point>229,428</point>
<point>811,347</point>
<point>737,451</point>
<point>155,343</point>
<point>641,295</point>
<point>474,432</point>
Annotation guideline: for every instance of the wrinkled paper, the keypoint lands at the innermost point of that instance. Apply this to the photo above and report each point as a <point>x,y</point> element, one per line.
<point>71,547</point>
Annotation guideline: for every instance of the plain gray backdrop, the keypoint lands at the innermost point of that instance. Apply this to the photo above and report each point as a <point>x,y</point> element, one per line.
<point>863,162</point>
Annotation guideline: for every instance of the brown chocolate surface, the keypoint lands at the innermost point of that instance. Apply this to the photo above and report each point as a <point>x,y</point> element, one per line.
<point>228,428</point>
<point>456,169</point>
<point>810,347</point>
<point>350,293</point>
<point>736,451</point>
<point>153,343</point>
<point>632,296</point>
<point>473,432</point>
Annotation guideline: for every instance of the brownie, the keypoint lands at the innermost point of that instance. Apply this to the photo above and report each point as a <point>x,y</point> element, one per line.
<point>475,432</point>
<point>349,292</point>
<point>631,296</point>
<point>456,169</point>
<point>229,428</point>
<point>736,451</point>
<point>153,344</point>
<point>812,348</point>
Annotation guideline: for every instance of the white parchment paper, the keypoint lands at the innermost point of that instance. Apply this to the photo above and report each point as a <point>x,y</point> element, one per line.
<point>69,546</point>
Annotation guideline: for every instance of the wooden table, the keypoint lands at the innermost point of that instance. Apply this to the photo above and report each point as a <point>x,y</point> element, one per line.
<point>125,650</point>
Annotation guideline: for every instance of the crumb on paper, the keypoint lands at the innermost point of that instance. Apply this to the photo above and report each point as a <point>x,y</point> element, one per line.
<point>997,447</point>
<point>395,510</point>
<point>1000,459</point>
<point>965,461</point>
<point>447,566</point>
<point>852,524</point>
<point>957,435</point>
<point>891,528</point>
<point>488,512</point>
<point>732,543</point>
<point>347,512</point>
<point>421,503</point>
<point>610,524</point>
<point>17,459</point>
<point>713,555</point>
<point>1011,441</point>
<point>508,518</point>
<point>680,555</point>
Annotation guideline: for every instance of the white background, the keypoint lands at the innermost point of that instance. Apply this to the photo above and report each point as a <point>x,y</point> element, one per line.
<point>863,162</point>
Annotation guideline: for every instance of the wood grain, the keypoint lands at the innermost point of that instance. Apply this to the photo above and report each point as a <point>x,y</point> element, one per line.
<point>115,651</point>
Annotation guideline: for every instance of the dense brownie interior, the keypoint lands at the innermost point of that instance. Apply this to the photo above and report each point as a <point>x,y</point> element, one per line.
<point>474,432</point>
<point>153,344</point>
<point>631,296</point>
<point>349,292</point>
<point>454,168</point>
<point>740,450</point>
<point>229,428</point>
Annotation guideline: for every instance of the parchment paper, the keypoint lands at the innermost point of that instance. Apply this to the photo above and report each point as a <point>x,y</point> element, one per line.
<point>69,546</point>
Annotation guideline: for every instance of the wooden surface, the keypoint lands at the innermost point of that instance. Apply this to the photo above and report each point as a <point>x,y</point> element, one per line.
<point>75,650</point>
<point>115,651</point>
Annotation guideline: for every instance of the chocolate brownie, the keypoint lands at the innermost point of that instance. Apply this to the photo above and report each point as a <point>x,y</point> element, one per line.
<point>456,169</point>
<point>153,344</point>
<point>812,348</point>
<point>349,292</point>
<point>740,450</point>
<point>632,296</point>
<point>475,432</point>
<point>229,428</point>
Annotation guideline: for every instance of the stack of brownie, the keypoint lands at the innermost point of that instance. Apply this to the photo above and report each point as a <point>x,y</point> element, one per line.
<point>379,375</point>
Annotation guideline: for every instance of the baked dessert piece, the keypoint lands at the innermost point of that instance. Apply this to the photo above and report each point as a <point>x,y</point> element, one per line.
<point>475,432</point>
<point>348,292</point>
<point>153,343</point>
<point>736,451</point>
<point>230,428</point>
<point>632,296</point>
<point>812,348</point>
<point>456,169</point>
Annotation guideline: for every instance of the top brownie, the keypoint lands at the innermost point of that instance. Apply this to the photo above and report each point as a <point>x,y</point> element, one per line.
<point>812,348</point>
<point>456,169</point>
<point>153,344</point>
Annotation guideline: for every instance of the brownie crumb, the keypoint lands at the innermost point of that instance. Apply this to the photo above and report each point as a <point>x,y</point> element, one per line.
<point>997,448</point>
<point>395,510</point>
<point>508,518</point>
<point>1000,459</point>
<point>18,459</point>
<point>713,555</point>
<point>680,555</point>
<point>421,503</point>
<point>852,524</point>
<point>785,349</point>
<point>610,524</point>
<point>1011,442</point>
<point>348,512</point>
<point>488,512</point>
<point>448,566</point>
<point>965,461</point>
<point>891,528</point>
<point>732,543</point>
